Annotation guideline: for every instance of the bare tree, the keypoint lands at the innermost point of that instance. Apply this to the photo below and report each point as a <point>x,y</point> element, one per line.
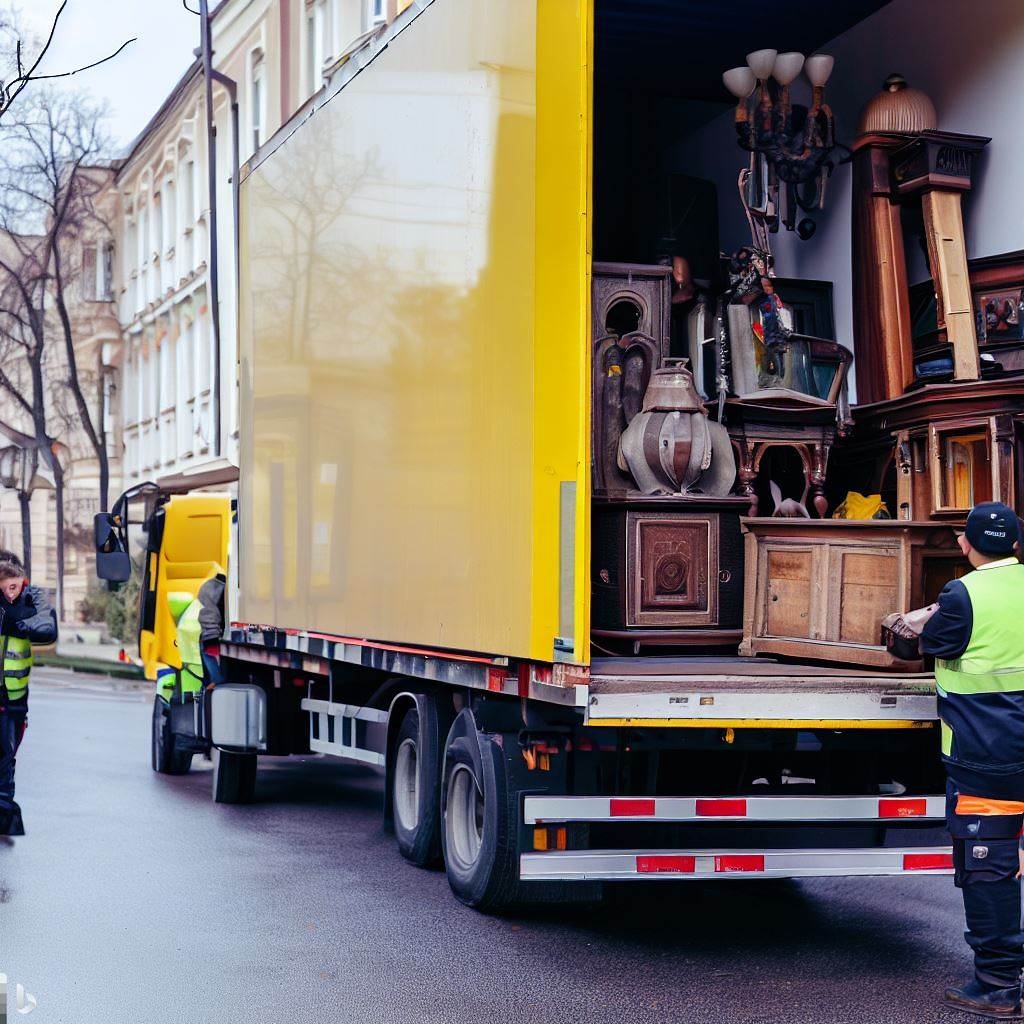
<point>23,337</point>
<point>22,57</point>
<point>50,183</point>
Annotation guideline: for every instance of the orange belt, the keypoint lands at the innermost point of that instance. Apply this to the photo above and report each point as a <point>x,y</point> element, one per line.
<point>983,806</point>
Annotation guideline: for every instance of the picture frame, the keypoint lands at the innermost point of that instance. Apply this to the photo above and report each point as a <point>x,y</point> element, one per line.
<point>997,295</point>
<point>997,299</point>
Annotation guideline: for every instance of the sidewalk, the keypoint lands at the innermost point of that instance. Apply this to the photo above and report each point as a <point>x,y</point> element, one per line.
<point>78,651</point>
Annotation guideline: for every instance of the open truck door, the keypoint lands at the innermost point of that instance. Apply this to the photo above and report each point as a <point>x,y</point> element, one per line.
<point>186,539</point>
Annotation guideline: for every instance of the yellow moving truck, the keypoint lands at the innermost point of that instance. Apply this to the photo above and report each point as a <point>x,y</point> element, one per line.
<point>412,563</point>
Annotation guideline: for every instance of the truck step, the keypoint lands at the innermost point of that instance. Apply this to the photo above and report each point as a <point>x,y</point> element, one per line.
<point>551,809</point>
<point>626,865</point>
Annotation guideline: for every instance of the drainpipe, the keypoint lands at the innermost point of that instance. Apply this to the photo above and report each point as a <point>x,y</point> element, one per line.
<point>206,52</point>
<point>232,90</point>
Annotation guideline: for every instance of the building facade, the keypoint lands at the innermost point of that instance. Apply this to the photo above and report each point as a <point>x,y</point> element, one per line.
<point>89,255</point>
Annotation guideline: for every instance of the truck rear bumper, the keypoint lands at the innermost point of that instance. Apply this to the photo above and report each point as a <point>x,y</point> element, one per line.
<point>815,814</point>
<point>753,694</point>
<point>627,865</point>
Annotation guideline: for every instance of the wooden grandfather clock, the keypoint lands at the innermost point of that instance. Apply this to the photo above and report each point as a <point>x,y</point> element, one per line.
<point>899,158</point>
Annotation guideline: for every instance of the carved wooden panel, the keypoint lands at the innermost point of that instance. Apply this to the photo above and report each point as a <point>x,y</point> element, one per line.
<point>672,566</point>
<point>647,287</point>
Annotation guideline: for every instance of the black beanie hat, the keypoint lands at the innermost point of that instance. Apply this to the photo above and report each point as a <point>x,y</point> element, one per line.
<point>992,528</point>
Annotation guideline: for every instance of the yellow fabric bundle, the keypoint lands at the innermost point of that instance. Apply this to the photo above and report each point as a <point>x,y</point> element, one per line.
<point>860,506</point>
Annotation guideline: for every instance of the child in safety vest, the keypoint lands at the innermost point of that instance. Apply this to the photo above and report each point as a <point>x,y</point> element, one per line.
<point>26,618</point>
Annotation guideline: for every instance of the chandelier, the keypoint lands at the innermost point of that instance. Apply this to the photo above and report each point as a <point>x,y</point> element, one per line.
<point>788,143</point>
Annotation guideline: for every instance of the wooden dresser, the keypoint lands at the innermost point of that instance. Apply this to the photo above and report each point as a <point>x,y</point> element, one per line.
<point>819,588</point>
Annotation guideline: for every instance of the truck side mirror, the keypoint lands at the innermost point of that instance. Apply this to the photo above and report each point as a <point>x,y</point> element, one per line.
<point>112,561</point>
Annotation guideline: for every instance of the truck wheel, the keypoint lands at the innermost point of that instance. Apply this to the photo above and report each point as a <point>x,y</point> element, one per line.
<point>415,793</point>
<point>234,777</point>
<point>165,757</point>
<point>479,830</point>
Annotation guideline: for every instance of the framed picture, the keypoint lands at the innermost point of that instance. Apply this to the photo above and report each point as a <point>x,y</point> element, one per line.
<point>997,291</point>
<point>997,298</point>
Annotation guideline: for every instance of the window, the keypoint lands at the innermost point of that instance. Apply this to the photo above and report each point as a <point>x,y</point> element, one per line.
<point>89,274</point>
<point>106,278</point>
<point>170,228</point>
<point>143,234</point>
<point>158,225</point>
<point>316,25</point>
<point>98,272</point>
<point>257,98</point>
<point>188,193</point>
<point>376,12</point>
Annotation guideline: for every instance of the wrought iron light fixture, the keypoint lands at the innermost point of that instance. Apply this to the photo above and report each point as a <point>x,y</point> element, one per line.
<point>788,143</point>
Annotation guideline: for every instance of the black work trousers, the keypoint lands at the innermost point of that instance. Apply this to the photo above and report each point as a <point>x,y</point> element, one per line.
<point>985,864</point>
<point>13,716</point>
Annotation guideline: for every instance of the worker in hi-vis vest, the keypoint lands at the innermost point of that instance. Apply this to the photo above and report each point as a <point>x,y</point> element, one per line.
<point>977,639</point>
<point>26,618</point>
<point>199,620</point>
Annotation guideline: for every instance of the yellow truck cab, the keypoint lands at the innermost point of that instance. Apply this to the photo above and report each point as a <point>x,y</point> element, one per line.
<point>186,539</point>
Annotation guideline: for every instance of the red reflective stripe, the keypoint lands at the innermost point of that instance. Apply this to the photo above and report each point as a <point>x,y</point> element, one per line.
<point>927,861</point>
<point>666,863</point>
<point>740,862</point>
<point>902,808</point>
<point>621,808</point>
<point>721,808</point>
<point>495,679</point>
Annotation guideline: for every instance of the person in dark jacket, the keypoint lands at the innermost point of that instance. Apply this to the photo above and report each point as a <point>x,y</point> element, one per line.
<point>26,618</point>
<point>976,639</point>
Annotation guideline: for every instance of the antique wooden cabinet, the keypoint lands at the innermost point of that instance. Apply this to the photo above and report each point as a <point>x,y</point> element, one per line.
<point>668,571</point>
<point>819,589</point>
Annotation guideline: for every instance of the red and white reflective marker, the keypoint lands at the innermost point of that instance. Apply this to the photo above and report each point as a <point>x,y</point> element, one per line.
<point>581,865</point>
<point>551,809</point>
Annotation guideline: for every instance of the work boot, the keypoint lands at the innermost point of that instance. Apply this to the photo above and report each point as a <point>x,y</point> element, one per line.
<point>986,1001</point>
<point>16,827</point>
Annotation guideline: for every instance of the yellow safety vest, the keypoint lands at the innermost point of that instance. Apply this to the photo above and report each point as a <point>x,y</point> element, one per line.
<point>17,664</point>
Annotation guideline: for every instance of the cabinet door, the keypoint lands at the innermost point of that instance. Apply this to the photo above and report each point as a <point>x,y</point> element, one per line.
<point>788,589</point>
<point>868,582</point>
<point>673,569</point>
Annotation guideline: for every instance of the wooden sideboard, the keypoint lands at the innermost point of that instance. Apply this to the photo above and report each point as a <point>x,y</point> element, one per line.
<point>819,589</point>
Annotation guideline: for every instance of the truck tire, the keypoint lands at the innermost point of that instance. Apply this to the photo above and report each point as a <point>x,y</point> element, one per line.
<point>479,827</point>
<point>416,792</point>
<point>165,756</point>
<point>234,777</point>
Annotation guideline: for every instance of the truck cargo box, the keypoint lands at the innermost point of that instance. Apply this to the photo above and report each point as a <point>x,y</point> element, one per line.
<point>414,368</point>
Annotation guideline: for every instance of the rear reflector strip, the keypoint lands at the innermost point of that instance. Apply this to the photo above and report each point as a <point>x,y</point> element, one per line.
<point>611,865</point>
<point>549,809</point>
<point>721,808</point>
<point>666,864</point>
<point>903,808</point>
<point>928,862</point>
<point>631,808</point>
<point>740,862</point>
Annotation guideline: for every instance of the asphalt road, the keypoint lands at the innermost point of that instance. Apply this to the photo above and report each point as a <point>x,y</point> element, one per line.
<point>134,898</point>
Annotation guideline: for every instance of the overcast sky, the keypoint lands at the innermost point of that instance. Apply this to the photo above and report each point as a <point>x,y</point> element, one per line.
<point>136,82</point>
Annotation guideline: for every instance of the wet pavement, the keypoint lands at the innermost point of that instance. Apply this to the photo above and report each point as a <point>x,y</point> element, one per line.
<point>134,898</point>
